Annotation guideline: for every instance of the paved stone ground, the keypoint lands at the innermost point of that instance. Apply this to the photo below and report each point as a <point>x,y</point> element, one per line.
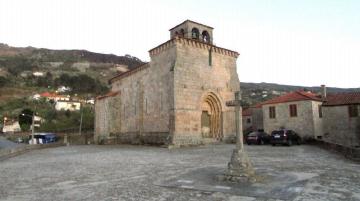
<point>134,172</point>
<point>7,144</point>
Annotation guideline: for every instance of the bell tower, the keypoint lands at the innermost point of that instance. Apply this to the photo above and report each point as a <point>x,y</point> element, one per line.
<point>193,30</point>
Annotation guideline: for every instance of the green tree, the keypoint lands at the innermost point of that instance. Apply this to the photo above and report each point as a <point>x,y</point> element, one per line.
<point>3,81</point>
<point>25,119</point>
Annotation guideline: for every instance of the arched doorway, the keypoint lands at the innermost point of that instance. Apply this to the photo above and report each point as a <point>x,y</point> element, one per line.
<point>211,117</point>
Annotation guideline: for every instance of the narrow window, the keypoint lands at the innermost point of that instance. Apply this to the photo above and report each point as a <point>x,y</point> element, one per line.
<point>293,110</point>
<point>124,112</point>
<point>353,111</point>
<point>210,57</point>
<point>272,112</point>
<point>320,111</point>
<point>161,101</point>
<point>146,107</point>
<point>248,120</point>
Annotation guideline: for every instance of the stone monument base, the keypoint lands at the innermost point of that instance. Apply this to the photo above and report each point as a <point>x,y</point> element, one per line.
<point>239,169</point>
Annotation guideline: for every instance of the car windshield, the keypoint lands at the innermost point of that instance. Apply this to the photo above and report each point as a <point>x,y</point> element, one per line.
<point>253,134</point>
<point>277,133</point>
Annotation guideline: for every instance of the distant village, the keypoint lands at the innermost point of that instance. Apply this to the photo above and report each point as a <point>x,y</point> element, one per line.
<point>61,100</point>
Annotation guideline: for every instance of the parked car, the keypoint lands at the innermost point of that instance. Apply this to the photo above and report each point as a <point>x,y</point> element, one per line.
<point>258,137</point>
<point>43,138</point>
<point>285,137</point>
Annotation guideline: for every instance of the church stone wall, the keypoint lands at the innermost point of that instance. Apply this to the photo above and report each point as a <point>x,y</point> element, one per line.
<point>146,101</point>
<point>194,77</point>
<point>106,118</point>
<point>162,102</point>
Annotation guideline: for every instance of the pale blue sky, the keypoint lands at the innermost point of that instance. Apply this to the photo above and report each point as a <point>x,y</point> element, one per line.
<point>289,42</point>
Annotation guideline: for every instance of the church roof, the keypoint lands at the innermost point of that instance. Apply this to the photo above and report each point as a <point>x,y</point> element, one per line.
<point>110,94</point>
<point>130,72</point>
<point>191,22</point>
<point>195,43</point>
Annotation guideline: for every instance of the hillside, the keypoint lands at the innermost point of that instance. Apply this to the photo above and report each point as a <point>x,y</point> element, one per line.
<point>28,70</point>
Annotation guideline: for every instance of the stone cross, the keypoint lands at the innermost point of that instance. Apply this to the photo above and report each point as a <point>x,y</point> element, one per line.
<point>238,119</point>
<point>239,168</point>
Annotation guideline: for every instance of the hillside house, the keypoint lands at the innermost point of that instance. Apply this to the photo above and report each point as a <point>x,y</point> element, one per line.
<point>341,119</point>
<point>299,111</point>
<point>10,126</point>
<point>67,105</point>
<point>53,96</point>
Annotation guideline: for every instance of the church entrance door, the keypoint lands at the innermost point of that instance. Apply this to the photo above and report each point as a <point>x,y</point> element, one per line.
<point>211,117</point>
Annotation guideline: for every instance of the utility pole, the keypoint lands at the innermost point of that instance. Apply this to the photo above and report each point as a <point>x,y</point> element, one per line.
<point>32,128</point>
<point>81,119</point>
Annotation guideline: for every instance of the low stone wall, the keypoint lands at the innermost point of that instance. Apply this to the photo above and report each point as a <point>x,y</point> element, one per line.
<point>348,152</point>
<point>153,138</point>
<point>8,153</point>
<point>76,138</point>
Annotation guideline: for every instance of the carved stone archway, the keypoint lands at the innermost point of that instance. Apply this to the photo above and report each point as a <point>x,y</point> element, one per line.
<point>211,117</point>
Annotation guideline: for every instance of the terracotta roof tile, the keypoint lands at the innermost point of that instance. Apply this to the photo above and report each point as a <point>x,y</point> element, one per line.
<point>110,94</point>
<point>246,112</point>
<point>342,99</point>
<point>293,96</point>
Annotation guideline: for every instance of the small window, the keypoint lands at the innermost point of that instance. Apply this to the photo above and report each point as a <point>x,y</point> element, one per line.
<point>320,111</point>
<point>293,110</point>
<point>248,120</point>
<point>272,112</point>
<point>182,32</point>
<point>353,111</point>
<point>195,33</point>
<point>205,37</point>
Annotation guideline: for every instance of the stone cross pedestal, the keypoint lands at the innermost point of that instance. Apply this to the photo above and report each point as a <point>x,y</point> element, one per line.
<point>239,168</point>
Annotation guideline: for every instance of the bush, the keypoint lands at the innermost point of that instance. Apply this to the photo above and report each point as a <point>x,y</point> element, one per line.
<point>3,81</point>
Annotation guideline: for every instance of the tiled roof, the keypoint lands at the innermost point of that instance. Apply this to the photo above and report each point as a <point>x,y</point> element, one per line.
<point>49,95</point>
<point>342,99</point>
<point>110,94</point>
<point>192,22</point>
<point>293,96</point>
<point>246,112</point>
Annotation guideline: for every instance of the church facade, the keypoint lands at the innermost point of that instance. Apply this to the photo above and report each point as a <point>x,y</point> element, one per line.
<point>177,98</point>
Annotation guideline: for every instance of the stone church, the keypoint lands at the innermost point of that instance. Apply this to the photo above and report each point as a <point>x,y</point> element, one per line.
<point>178,98</point>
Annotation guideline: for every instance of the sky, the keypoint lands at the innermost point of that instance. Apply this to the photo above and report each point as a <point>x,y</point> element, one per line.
<point>307,42</point>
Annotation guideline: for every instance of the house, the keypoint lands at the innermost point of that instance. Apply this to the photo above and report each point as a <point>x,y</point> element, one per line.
<point>55,97</point>
<point>67,105</point>
<point>38,74</point>
<point>62,89</point>
<point>341,119</point>
<point>252,118</point>
<point>178,98</point>
<point>10,126</point>
<point>299,111</point>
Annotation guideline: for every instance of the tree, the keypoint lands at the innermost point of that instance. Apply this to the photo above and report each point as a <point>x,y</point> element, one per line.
<point>25,119</point>
<point>3,81</point>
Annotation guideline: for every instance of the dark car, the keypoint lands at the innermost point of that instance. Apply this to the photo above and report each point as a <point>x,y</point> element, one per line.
<point>257,137</point>
<point>285,137</point>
